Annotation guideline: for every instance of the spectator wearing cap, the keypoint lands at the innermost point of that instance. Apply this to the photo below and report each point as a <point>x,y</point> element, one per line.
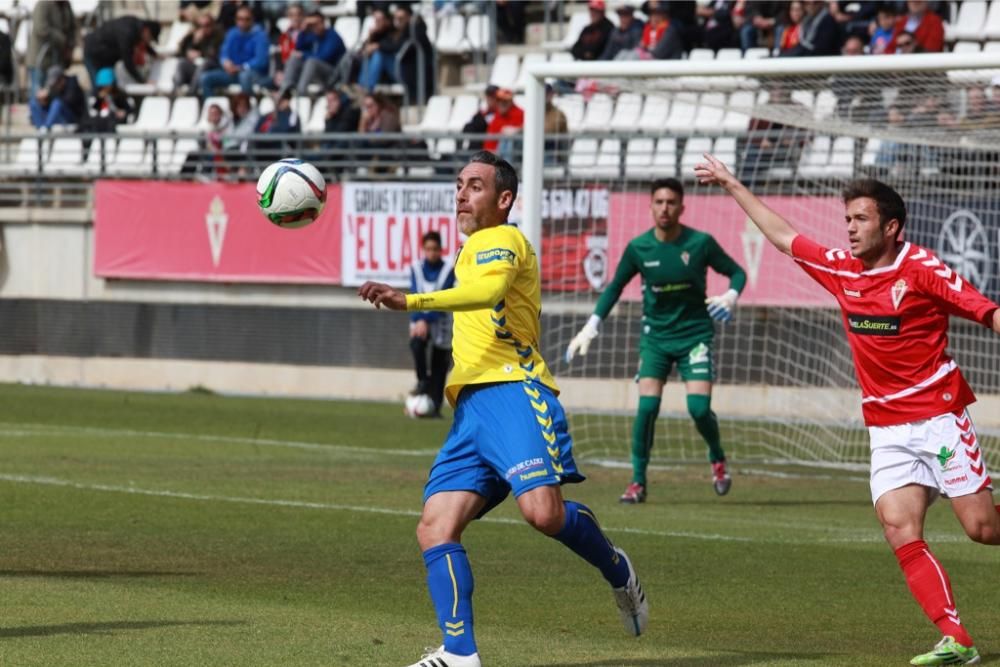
<point>661,38</point>
<point>480,121</point>
<point>626,37</point>
<point>245,57</point>
<point>594,37</point>
<point>53,36</point>
<point>126,39</point>
<point>317,56</point>
<point>111,105</point>
<point>508,120</point>
<point>926,27</point>
<point>60,101</point>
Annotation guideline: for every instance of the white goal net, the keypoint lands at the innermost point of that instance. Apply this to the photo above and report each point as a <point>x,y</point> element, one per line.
<point>796,132</point>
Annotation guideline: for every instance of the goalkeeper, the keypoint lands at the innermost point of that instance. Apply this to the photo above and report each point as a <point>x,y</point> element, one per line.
<point>676,326</point>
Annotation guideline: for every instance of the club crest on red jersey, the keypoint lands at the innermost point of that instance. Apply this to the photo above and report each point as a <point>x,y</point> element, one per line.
<point>685,257</point>
<point>897,291</point>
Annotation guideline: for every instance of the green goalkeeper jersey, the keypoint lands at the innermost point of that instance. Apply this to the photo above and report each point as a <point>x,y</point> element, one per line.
<point>674,275</point>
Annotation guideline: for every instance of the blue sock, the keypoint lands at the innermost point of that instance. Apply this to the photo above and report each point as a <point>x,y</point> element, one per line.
<point>449,579</point>
<point>584,536</point>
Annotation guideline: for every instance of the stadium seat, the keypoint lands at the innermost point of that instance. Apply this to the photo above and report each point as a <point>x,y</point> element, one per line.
<point>302,105</point>
<point>665,158</point>
<point>478,33</point>
<point>815,158</point>
<point>804,97</point>
<point>159,155</point>
<point>991,29</point>
<point>639,158</point>
<point>825,104</point>
<point>93,163</point>
<point>339,9</point>
<point>966,47</point>
<point>162,75</point>
<point>463,108</point>
<point>183,115</point>
<point>969,23</point>
<point>154,114</point>
<point>628,108</point>
<point>683,112</point>
<point>84,7</point>
<point>711,114</point>
<point>529,59</point>
<point>505,70</point>
<point>572,106</point>
<point>451,35</point>
<point>317,121</point>
<point>182,148</point>
<point>655,110</point>
<point>130,158</point>
<point>737,121</point>
<point>991,47</point>
<point>582,156</point>
<point>21,38</point>
<point>597,117</point>
<point>694,151</point>
<point>756,53</point>
<point>170,40</point>
<point>577,22</point>
<point>264,107</point>
<point>561,57</point>
<point>701,54</point>
<point>728,54</point>
<point>26,160</point>
<point>842,158</point>
<point>870,155</point>
<point>65,157</point>
<point>725,150</point>
<point>349,29</point>
<point>437,113</point>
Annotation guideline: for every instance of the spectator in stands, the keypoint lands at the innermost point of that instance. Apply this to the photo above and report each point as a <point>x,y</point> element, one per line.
<point>286,42</point>
<point>980,113</point>
<point>755,20</point>
<point>626,37</point>
<point>236,137</point>
<point>715,21</point>
<point>926,27</point>
<point>126,39</point>
<point>480,121</point>
<point>111,105</point>
<point>854,17</point>
<point>556,150</point>
<point>342,117</point>
<point>317,56</point>
<point>208,159</point>
<point>787,31</point>
<point>512,21</point>
<point>400,54</point>
<point>60,101</point>
<point>282,120</point>
<point>770,144</point>
<point>6,60</point>
<point>53,36</point>
<point>189,11</point>
<point>882,29</point>
<point>381,26</point>
<point>229,9</point>
<point>245,53</point>
<point>430,331</point>
<point>856,97</point>
<point>819,34</point>
<point>594,37</point>
<point>661,38</point>
<point>508,120</point>
<point>379,116</point>
<point>199,52</point>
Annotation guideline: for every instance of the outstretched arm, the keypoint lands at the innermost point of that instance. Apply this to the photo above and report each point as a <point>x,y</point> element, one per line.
<point>486,292</point>
<point>777,230</point>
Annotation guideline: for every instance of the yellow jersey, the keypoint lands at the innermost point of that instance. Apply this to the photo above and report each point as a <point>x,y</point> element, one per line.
<point>497,305</point>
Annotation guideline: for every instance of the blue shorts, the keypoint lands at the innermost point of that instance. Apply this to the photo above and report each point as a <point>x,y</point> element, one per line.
<point>509,435</point>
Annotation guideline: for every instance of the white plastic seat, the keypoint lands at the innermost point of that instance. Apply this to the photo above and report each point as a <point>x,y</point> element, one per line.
<point>969,23</point>
<point>451,35</point>
<point>93,164</point>
<point>966,47</point>
<point>597,117</point>
<point>163,75</point>
<point>711,114</point>
<point>463,108</point>
<point>639,158</point>
<point>182,149</point>
<point>264,107</point>
<point>655,111</point>
<point>577,22</point>
<point>183,115</point>
<point>478,32</point>
<point>804,97</point>
<point>870,155</point>
<point>701,54</point>
<point>529,59</point>
<point>437,113</point>
<point>756,53</point>
<point>65,157</point>
<point>665,158</point>
<point>172,41</point>
<point>815,158</point>
<point>154,115</point>
<point>317,121</point>
<point>505,70</point>
<point>582,157</point>
<point>825,105</point>
<point>725,150</point>
<point>26,160</point>
<point>572,107</point>
<point>842,157</point>
<point>728,54</point>
<point>991,29</point>
<point>349,29</point>
<point>21,39</point>
<point>302,105</point>
<point>561,57</point>
<point>130,158</point>
<point>694,151</point>
<point>683,111</point>
<point>628,108</point>
<point>737,120</point>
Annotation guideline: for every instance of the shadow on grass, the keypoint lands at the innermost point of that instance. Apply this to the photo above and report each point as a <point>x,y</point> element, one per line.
<point>92,574</point>
<point>106,628</point>
<point>731,659</point>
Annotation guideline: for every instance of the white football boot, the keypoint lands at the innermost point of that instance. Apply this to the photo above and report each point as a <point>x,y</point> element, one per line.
<point>632,601</point>
<point>438,657</point>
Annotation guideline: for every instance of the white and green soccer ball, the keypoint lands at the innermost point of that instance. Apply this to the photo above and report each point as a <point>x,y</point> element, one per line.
<point>291,193</point>
<point>418,405</point>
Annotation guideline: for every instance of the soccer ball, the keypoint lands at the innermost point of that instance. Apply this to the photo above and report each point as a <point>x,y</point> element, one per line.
<point>291,193</point>
<point>418,405</point>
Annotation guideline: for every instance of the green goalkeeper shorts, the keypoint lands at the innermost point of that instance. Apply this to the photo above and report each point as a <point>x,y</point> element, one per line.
<point>693,357</point>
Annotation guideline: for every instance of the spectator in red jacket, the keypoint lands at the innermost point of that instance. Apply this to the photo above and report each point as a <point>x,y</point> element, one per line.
<point>508,119</point>
<point>926,26</point>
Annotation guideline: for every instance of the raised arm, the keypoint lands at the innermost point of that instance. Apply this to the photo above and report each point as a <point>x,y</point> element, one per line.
<point>776,229</point>
<point>627,268</point>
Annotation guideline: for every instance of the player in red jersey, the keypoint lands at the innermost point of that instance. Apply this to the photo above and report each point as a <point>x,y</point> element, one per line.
<point>896,298</point>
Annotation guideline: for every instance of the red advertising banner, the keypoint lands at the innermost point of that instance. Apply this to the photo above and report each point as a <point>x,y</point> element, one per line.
<point>773,279</point>
<point>154,230</point>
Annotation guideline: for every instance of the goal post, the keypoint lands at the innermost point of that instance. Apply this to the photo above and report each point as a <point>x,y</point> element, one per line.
<point>785,389</point>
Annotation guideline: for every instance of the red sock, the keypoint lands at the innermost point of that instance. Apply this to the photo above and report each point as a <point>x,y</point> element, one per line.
<point>930,586</point>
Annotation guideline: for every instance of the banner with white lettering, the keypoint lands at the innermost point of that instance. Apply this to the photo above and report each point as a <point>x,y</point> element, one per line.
<point>382,224</point>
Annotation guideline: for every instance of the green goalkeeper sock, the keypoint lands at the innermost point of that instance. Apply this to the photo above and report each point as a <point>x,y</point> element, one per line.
<point>700,409</point>
<point>642,436</point>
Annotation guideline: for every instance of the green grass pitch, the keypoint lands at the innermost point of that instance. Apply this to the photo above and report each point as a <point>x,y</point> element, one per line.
<point>196,530</point>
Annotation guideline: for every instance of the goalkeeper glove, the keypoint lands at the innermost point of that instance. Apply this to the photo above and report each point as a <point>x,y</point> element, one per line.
<point>581,341</point>
<point>721,307</point>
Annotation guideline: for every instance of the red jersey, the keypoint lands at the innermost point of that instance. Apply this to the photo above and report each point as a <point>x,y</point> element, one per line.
<point>896,320</point>
<point>513,118</point>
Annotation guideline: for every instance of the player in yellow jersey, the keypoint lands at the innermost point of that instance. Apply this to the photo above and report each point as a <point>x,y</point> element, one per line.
<point>510,432</point>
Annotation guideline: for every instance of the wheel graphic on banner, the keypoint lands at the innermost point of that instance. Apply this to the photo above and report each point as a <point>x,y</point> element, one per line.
<point>963,245</point>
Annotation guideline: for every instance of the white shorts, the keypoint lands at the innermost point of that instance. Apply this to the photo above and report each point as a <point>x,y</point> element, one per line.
<point>941,453</point>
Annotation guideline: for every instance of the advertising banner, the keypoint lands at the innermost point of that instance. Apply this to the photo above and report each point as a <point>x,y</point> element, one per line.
<point>382,224</point>
<point>154,230</point>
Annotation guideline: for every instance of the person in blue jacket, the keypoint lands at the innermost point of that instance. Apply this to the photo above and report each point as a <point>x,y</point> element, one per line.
<point>245,57</point>
<point>429,330</point>
<point>317,56</point>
